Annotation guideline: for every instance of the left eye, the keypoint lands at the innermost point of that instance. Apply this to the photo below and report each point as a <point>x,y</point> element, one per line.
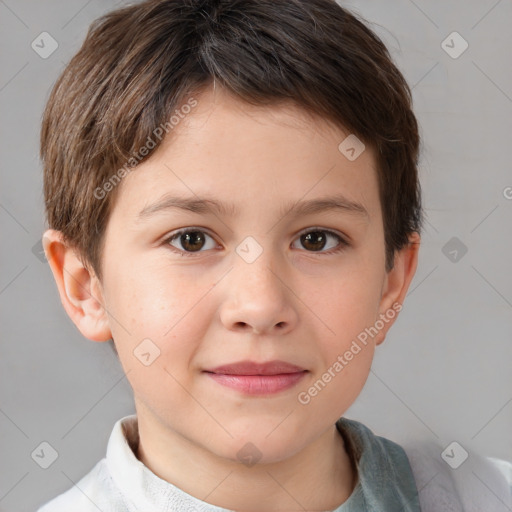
<point>315,240</point>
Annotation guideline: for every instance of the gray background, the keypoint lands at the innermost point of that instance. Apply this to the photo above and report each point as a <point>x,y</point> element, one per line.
<point>443,374</point>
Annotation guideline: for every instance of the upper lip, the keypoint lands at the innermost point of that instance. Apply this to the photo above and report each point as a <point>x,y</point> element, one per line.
<point>253,368</point>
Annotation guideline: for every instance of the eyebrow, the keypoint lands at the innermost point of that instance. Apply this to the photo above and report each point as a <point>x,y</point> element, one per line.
<point>209,205</point>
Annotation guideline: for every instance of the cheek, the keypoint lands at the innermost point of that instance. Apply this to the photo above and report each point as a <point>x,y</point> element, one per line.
<point>157,333</point>
<point>152,298</point>
<point>337,388</point>
<point>155,305</point>
<point>347,302</point>
<point>346,359</point>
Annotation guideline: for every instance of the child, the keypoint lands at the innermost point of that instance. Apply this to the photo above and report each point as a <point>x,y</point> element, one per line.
<point>277,137</point>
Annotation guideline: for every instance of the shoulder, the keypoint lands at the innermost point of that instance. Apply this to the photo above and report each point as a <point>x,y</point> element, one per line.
<point>471,484</point>
<point>95,491</point>
<point>370,449</point>
<point>383,469</point>
<point>99,489</point>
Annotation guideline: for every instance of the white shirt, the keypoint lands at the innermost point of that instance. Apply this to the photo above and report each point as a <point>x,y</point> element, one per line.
<point>386,472</point>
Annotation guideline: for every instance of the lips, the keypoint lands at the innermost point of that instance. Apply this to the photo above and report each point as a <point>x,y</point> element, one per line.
<point>253,378</point>
<point>253,368</point>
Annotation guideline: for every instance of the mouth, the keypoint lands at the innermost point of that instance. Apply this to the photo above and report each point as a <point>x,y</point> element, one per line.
<point>253,378</point>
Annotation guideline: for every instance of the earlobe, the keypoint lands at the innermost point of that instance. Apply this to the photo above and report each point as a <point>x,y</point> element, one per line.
<point>79,288</point>
<point>397,282</point>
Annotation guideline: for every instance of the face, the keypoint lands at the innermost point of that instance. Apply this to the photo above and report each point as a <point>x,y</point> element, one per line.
<point>256,280</point>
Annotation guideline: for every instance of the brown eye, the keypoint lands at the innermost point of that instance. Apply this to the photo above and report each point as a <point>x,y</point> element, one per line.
<point>191,241</point>
<point>316,240</point>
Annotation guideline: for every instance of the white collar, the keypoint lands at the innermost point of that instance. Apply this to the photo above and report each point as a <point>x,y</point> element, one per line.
<point>138,483</point>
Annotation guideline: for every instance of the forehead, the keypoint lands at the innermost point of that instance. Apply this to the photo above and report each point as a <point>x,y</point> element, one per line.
<point>247,155</point>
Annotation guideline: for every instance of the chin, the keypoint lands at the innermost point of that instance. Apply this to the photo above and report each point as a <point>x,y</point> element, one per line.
<point>255,447</point>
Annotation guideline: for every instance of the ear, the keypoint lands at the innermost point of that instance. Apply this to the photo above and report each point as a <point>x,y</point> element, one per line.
<point>79,289</point>
<point>396,284</point>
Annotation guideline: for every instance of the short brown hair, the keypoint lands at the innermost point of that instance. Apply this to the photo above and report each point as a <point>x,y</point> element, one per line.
<point>139,63</point>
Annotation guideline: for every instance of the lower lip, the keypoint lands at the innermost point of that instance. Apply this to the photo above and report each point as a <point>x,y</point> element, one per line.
<point>258,384</point>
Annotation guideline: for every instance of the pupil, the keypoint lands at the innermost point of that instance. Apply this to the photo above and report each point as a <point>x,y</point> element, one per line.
<point>192,238</point>
<point>315,237</point>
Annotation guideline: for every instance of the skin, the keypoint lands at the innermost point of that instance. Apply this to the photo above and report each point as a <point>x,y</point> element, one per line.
<point>293,303</point>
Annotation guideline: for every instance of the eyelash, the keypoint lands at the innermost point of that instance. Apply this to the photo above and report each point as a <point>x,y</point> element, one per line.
<point>343,244</point>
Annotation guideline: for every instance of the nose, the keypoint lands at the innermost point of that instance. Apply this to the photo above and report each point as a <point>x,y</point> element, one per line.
<point>258,298</point>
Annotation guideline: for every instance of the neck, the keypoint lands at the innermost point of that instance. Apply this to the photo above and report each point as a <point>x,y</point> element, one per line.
<point>320,477</point>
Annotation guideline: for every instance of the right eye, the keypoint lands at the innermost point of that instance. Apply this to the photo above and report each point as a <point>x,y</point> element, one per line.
<point>192,240</point>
